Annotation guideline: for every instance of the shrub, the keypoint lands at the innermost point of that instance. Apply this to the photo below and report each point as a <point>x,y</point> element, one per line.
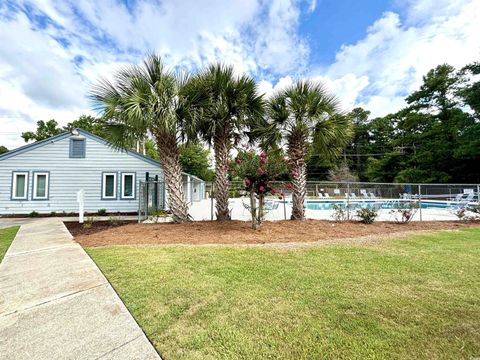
<point>88,222</point>
<point>53,213</point>
<point>114,220</point>
<point>405,212</point>
<point>460,213</point>
<point>33,214</point>
<point>102,211</point>
<point>469,213</point>
<point>340,212</point>
<point>366,215</point>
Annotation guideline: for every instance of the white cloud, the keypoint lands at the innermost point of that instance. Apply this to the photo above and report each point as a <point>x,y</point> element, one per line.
<point>41,79</point>
<point>394,57</point>
<point>47,68</point>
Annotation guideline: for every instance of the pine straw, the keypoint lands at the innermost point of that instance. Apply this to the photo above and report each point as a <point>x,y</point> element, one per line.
<point>238,232</point>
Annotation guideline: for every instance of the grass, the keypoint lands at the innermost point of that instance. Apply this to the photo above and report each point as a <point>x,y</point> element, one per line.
<point>413,298</point>
<point>6,237</point>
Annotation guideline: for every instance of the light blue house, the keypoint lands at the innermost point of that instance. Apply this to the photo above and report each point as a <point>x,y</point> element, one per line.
<point>45,176</point>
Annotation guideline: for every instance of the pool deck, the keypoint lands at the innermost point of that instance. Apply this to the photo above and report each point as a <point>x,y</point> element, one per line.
<point>202,210</point>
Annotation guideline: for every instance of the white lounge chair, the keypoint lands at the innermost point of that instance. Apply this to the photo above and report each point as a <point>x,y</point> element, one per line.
<point>353,196</point>
<point>320,195</point>
<point>372,195</point>
<point>326,196</point>
<point>458,197</point>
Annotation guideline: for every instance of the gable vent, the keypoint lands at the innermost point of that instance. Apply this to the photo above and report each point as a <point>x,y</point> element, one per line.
<point>77,148</point>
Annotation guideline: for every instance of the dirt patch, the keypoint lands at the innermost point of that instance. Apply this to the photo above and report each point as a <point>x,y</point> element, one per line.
<point>77,229</point>
<point>238,232</point>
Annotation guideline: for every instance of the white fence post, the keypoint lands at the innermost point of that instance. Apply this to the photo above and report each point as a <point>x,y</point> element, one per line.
<point>81,204</point>
<point>420,201</point>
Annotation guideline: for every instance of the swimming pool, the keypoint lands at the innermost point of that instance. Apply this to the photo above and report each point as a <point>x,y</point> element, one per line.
<point>373,204</point>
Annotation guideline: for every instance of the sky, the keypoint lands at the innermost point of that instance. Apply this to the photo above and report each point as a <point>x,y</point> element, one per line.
<point>370,53</point>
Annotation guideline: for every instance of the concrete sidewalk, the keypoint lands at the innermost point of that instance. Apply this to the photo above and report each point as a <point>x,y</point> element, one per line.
<point>56,304</point>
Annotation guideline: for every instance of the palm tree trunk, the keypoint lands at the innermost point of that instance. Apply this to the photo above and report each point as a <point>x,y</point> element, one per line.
<point>221,147</point>
<point>299,191</point>
<point>297,151</point>
<point>172,170</point>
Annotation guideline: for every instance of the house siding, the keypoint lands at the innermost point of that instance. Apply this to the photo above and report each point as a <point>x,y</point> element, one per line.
<point>68,175</point>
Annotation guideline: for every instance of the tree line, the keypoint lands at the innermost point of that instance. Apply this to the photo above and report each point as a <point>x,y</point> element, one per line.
<point>435,138</point>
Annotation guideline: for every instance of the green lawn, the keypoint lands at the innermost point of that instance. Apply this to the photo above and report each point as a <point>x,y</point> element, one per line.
<point>414,298</point>
<point>6,237</point>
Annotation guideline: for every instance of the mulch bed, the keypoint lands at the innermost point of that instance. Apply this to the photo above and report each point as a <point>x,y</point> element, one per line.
<point>239,232</point>
<point>77,229</point>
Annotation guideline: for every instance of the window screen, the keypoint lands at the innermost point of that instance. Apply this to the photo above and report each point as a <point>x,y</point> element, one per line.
<point>21,180</point>
<point>128,186</point>
<point>109,185</point>
<point>41,186</point>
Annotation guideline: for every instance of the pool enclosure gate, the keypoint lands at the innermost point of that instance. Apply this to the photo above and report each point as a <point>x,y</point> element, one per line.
<point>153,195</point>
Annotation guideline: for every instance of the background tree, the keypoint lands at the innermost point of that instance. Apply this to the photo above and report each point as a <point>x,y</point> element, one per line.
<point>3,149</point>
<point>195,160</point>
<point>229,104</point>
<point>436,138</point>
<point>50,128</point>
<point>45,129</point>
<point>94,125</point>
<point>305,117</point>
<point>146,100</point>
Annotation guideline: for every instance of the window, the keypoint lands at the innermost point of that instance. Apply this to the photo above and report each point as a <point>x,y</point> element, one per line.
<point>109,186</point>
<point>128,185</point>
<point>40,185</point>
<point>20,185</point>
<point>77,148</point>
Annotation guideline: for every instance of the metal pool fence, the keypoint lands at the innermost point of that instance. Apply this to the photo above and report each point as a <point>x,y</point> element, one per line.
<point>434,201</point>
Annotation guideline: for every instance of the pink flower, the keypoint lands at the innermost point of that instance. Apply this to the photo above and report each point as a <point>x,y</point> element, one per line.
<point>274,191</point>
<point>238,161</point>
<point>263,155</point>
<point>259,171</point>
<point>293,173</point>
<point>261,188</point>
<point>247,181</point>
<point>289,186</point>
<point>263,161</point>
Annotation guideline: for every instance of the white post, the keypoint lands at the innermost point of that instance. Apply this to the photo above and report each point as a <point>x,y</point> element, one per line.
<point>81,203</point>
<point>189,189</point>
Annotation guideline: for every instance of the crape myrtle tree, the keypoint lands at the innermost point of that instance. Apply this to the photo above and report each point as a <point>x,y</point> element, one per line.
<point>262,175</point>
<point>230,107</point>
<point>146,100</point>
<point>305,117</point>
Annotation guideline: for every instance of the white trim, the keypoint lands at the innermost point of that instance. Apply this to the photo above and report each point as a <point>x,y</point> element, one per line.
<point>14,187</point>
<point>123,196</point>
<point>47,180</point>
<point>104,187</point>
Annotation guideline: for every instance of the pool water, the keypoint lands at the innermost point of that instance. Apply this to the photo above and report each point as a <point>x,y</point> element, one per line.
<point>329,205</point>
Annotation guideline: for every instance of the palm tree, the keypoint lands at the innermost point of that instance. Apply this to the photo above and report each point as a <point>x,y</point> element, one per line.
<point>145,101</point>
<point>229,105</point>
<point>305,118</point>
